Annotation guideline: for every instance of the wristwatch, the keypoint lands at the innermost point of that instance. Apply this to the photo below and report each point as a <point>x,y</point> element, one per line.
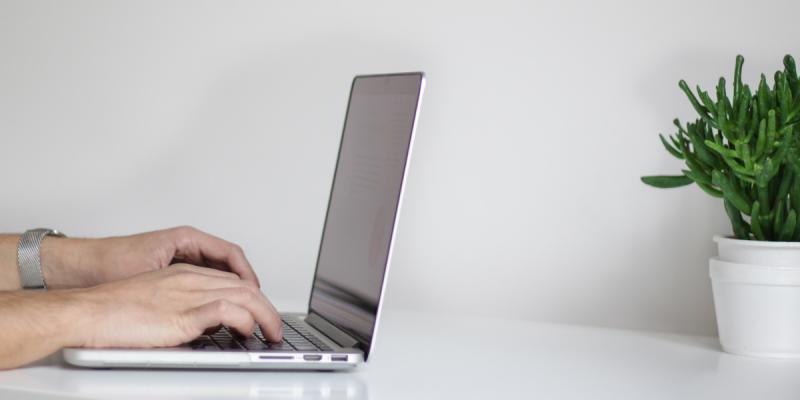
<point>29,259</point>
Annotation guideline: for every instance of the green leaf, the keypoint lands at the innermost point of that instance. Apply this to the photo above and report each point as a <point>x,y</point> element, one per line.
<point>731,192</point>
<point>697,143</point>
<point>784,95</point>
<point>742,114</point>
<point>698,176</point>
<point>777,222</point>
<point>738,168</point>
<point>763,198</point>
<point>701,110</point>
<point>791,73</point>
<point>768,171</point>
<point>677,154</point>
<point>667,181</point>
<point>771,133</point>
<point>763,96</point>
<point>722,150</point>
<point>707,102</point>
<point>710,190</point>
<point>723,109</point>
<point>794,194</point>
<point>737,77</point>
<point>740,228</point>
<point>795,108</point>
<point>761,139</point>
<point>785,185</point>
<point>755,222</point>
<point>788,227</point>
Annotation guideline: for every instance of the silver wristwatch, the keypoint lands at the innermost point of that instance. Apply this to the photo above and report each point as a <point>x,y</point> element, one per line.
<point>28,257</point>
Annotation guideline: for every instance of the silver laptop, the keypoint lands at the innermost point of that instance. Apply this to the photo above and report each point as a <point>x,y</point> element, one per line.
<point>339,329</point>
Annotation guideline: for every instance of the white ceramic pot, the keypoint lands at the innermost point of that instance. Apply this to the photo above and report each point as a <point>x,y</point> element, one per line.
<point>757,297</point>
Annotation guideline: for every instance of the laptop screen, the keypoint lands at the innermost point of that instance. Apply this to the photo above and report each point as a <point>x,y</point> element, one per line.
<point>364,200</point>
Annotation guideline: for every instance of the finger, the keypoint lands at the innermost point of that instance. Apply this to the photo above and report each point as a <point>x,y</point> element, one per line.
<point>200,247</point>
<point>222,312</point>
<point>257,304</point>
<point>214,273</point>
<point>203,279</point>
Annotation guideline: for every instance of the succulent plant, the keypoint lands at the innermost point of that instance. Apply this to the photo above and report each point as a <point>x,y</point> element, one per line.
<point>744,149</point>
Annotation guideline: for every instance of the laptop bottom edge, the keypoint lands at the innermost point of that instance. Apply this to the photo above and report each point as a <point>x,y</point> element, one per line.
<point>178,358</point>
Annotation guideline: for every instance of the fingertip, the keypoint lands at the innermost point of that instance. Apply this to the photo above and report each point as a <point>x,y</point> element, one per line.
<point>277,333</point>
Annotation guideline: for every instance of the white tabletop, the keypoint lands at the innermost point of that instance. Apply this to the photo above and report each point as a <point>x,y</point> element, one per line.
<point>428,356</point>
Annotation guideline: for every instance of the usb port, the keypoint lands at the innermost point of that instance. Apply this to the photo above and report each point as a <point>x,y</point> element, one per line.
<point>338,358</point>
<point>312,357</point>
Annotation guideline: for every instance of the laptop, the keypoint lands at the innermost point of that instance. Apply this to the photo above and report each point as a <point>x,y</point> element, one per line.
<point>338,330</point>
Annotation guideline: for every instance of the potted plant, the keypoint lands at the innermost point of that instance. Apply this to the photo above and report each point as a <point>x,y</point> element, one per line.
<point>744,148</point>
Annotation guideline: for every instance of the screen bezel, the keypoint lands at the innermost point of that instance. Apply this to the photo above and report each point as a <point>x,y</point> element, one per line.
<point>364,345</point>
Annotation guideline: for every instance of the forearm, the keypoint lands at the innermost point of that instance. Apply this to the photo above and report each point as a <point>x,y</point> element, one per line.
<point>9,274</point>
<point>36,324</point>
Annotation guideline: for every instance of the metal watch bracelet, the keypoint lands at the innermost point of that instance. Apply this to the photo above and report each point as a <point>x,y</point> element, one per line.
<point>29,257</point>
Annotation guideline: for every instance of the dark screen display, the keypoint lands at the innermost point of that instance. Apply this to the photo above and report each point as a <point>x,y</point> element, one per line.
<point>364,199</point>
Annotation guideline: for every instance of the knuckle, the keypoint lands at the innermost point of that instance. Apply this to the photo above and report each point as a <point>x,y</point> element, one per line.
<point>222,306</point>
<point>185,230</point>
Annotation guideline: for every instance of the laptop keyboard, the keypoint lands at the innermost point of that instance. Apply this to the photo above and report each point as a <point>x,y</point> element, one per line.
<point>296,337</point>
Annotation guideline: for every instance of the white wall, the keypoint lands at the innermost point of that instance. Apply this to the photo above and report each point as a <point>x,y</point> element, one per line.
<point>523,198</point>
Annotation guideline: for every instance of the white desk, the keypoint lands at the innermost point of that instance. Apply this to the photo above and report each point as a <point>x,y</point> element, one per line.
<point>426,356</point>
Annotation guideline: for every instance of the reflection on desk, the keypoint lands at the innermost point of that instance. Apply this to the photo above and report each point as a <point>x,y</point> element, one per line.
<point>53,378</point>
<point>434,356</point>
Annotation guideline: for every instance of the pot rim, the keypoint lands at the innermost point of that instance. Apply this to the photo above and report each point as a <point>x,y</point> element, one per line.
<point>755,243</point>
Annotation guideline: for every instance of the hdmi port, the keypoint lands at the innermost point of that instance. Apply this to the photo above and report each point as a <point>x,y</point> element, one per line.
<point>312,357</point>
<point>338,358</point>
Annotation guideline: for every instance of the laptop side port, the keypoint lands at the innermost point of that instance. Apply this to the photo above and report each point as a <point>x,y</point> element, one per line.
<point>339,358</point>
<point>312,357</point>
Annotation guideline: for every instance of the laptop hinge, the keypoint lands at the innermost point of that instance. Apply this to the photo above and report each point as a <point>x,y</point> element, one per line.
<point>337,335</point>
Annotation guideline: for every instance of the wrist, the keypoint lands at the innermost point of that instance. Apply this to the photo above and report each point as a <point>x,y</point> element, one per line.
<point>73,322</point>
<point>63,262</point>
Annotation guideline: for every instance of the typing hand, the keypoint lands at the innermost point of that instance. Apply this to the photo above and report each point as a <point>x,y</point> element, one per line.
<point>170,307</point>
<point>73,263</point>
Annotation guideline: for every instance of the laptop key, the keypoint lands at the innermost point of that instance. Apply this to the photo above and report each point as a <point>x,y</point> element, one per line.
<point>252,344</point>
<point>282,346</point>
<point>203,343</point>
<point>227,343</point>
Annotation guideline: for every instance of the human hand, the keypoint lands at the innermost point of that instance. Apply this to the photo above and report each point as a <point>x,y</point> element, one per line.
<point>72,263</point>
<point>170,307</point>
